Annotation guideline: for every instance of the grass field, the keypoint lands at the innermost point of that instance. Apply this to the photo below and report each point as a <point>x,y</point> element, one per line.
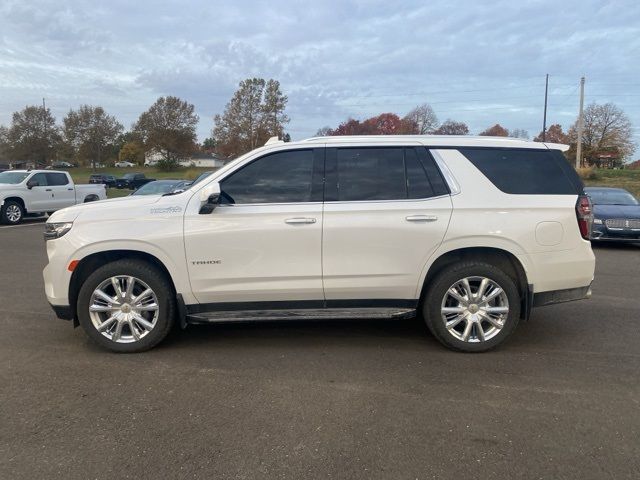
<point>81,175</point>
<point>627,179</point>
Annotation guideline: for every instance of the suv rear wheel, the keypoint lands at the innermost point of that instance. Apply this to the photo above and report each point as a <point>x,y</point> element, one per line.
<point>126,306</point>
<point>472,306</point>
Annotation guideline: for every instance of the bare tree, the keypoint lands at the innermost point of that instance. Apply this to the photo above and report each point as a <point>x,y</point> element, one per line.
<point>424,119</point>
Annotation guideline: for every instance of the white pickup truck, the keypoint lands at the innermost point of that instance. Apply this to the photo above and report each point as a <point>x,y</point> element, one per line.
<point>25,192</point>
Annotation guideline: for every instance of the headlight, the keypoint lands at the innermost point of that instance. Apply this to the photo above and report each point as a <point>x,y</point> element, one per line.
<point>597,221</point>
<point>56,230</point>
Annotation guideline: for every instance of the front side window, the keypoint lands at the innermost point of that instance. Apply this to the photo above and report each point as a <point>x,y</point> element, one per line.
<point>40,179</point>
<point>281,177</point>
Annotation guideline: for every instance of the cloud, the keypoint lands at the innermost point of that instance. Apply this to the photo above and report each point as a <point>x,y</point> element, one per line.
<point>475,62</point>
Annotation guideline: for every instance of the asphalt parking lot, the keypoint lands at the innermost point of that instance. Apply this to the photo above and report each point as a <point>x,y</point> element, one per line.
<point>358,399</point>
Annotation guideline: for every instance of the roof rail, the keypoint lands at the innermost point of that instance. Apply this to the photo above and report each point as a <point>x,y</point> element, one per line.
<point>273,141</point>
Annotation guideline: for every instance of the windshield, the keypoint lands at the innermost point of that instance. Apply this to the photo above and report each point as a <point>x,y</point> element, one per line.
<point>129,176</point>
<point>201,177</point>
<point>612,197</point>
<point>13,178</point>
<point>156,188</point>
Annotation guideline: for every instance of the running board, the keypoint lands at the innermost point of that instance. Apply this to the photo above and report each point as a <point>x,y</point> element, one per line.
<point>233,316</point>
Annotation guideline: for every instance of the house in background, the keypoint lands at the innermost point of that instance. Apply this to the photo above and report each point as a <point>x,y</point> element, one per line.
<point>202,160</point>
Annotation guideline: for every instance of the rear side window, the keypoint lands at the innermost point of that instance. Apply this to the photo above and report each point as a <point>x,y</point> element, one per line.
<point>371,174</point>
<point>382,173</point>
<point>525,172</point>
<point>57,179</point>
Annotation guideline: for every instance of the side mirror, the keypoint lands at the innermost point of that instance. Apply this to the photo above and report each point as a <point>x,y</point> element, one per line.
<point>209,198</point>
<point>31,184</point>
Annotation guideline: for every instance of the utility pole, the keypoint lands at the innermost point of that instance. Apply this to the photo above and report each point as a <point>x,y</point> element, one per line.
<point>44,132</point>
<point>580,125</point>
<point>544,119</point>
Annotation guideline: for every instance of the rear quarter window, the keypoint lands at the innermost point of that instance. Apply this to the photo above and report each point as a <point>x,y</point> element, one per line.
<point>526,172</point>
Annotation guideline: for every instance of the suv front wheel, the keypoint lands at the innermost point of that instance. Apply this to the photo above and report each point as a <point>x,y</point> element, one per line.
<point>126,306</point>
<point>472,306</point>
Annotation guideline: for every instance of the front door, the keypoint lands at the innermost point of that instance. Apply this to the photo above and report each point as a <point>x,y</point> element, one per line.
<point>386,211</point>
<point>39,198</point>
<point>263,243</point>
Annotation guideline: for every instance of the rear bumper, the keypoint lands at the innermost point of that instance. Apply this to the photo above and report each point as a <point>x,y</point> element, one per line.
<point>552,297</point>
<point>63,312</point>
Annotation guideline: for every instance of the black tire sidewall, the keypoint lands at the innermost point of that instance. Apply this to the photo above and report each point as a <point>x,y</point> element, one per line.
<point>149,274</point>
<point>444,280</point>
<point>4,217</point>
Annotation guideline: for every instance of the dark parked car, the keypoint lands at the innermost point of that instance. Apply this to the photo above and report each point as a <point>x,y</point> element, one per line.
<point>616,214</point>
<point>161,187</point>
<point>108,180</point>
<point>133,181</point>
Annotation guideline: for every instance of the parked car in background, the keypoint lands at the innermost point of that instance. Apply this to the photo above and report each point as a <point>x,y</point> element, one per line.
<point>108,180</point>
<point>62,165</point>
<point>24,192</point>
<point>467,233</point>
<point>124,164</point>
<point>162,187</point>
<point>133,181</point>
<point>616,215</point>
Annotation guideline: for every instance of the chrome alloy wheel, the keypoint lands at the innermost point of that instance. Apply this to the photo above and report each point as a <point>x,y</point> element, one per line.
<point>474,309</point>
<point>13,213</point>
<point>123,309</point>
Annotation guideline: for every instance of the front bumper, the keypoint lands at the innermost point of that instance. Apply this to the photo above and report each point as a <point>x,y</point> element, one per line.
<point>602,233</point>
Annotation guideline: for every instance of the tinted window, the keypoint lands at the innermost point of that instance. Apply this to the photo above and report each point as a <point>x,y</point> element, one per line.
<point>371,174</point>
<point>40,179</point>
<point>519,171</point>
<point>56,179</point>
<point>611,197</point>
<point>283,177</point>
<point>418,184</point>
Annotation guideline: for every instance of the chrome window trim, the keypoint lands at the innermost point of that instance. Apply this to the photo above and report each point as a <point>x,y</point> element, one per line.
<point>446,173</point>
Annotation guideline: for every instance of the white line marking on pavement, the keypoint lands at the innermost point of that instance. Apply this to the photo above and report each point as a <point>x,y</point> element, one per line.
<point>22,225</point>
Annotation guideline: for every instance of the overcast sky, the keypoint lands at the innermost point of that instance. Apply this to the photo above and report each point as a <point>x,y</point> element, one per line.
<point>481,64</point>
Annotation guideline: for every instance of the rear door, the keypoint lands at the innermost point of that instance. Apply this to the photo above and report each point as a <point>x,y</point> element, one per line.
<point>62,190</point>
<point>386,211</point>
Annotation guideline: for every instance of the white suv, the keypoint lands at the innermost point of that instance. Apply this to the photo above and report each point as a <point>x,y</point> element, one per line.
<point>467,233</point>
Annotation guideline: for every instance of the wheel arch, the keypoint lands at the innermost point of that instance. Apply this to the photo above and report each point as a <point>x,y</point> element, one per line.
<point>18,200</point>
<point>95,260</point>
<point>507,261</point>
<point>91,198</point>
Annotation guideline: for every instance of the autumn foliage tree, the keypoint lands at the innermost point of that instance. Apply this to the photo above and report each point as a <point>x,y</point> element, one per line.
<point>554,135</point>
<point>169,127</point>
<point>33,135</point>
<point>606,130</point>
<point>255,113</point>
<point>496,131</point>
<point>91,132</point>
<point>451,127</point>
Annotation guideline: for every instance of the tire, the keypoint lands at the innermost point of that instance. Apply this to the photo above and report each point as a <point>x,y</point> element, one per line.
<point>159,310</point>
<point>461,314</point>
<point>11,213</point>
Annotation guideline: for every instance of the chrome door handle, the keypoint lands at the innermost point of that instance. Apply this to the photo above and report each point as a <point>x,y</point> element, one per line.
<point>421,218</point>
<point>299,220</point>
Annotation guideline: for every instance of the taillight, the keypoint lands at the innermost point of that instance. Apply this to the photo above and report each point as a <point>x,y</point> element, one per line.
<point>584,213</point>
